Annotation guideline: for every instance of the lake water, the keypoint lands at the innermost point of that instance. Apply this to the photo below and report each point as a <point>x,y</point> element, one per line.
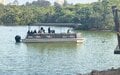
<point>56,58</point>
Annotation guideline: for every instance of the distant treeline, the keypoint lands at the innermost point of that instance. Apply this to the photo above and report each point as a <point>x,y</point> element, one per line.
<point>97,15</point>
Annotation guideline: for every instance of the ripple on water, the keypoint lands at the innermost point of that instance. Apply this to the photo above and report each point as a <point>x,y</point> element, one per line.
<point>56,58</point>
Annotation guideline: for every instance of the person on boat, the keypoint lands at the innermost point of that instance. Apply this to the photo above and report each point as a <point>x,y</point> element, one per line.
<point>68,31</point>
<point>49,30</point>
<point>28,33</point>
<point>35,31</point>
<point>31,32</point>
<point>53,31</point>
<point>39,31</point>
<point>42,30</point>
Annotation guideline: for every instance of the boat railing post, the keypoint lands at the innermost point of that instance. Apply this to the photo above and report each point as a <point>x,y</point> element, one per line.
<point>117,25</point>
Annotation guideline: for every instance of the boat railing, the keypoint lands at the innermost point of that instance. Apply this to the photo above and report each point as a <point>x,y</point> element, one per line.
<point>53,35</point>
<point>78,35</point>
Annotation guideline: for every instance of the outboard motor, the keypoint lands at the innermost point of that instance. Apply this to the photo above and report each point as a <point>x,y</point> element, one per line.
<point>18,39</point>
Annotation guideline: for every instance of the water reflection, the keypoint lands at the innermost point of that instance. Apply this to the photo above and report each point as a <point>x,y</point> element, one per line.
<point>43,57</point>
<point>40,47</point>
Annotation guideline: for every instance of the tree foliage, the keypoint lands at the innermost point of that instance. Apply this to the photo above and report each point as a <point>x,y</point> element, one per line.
<point>97,15</point>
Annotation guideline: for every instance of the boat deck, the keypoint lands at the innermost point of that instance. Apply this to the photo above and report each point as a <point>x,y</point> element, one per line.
<point>53,35</point>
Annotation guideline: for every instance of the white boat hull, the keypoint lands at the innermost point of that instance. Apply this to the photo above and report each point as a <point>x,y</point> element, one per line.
<point>46,40</point>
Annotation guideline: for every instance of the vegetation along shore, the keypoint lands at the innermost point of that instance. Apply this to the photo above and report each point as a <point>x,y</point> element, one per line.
<point>92,16</point>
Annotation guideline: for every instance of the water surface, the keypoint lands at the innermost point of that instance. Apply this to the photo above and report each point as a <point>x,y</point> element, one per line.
<point>96,53</point>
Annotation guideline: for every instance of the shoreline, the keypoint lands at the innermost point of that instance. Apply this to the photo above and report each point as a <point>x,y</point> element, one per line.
<point>111,71</point>
<point>107,30</point>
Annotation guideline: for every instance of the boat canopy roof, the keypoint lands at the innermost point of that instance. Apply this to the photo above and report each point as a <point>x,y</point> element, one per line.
<point>56,24</point>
